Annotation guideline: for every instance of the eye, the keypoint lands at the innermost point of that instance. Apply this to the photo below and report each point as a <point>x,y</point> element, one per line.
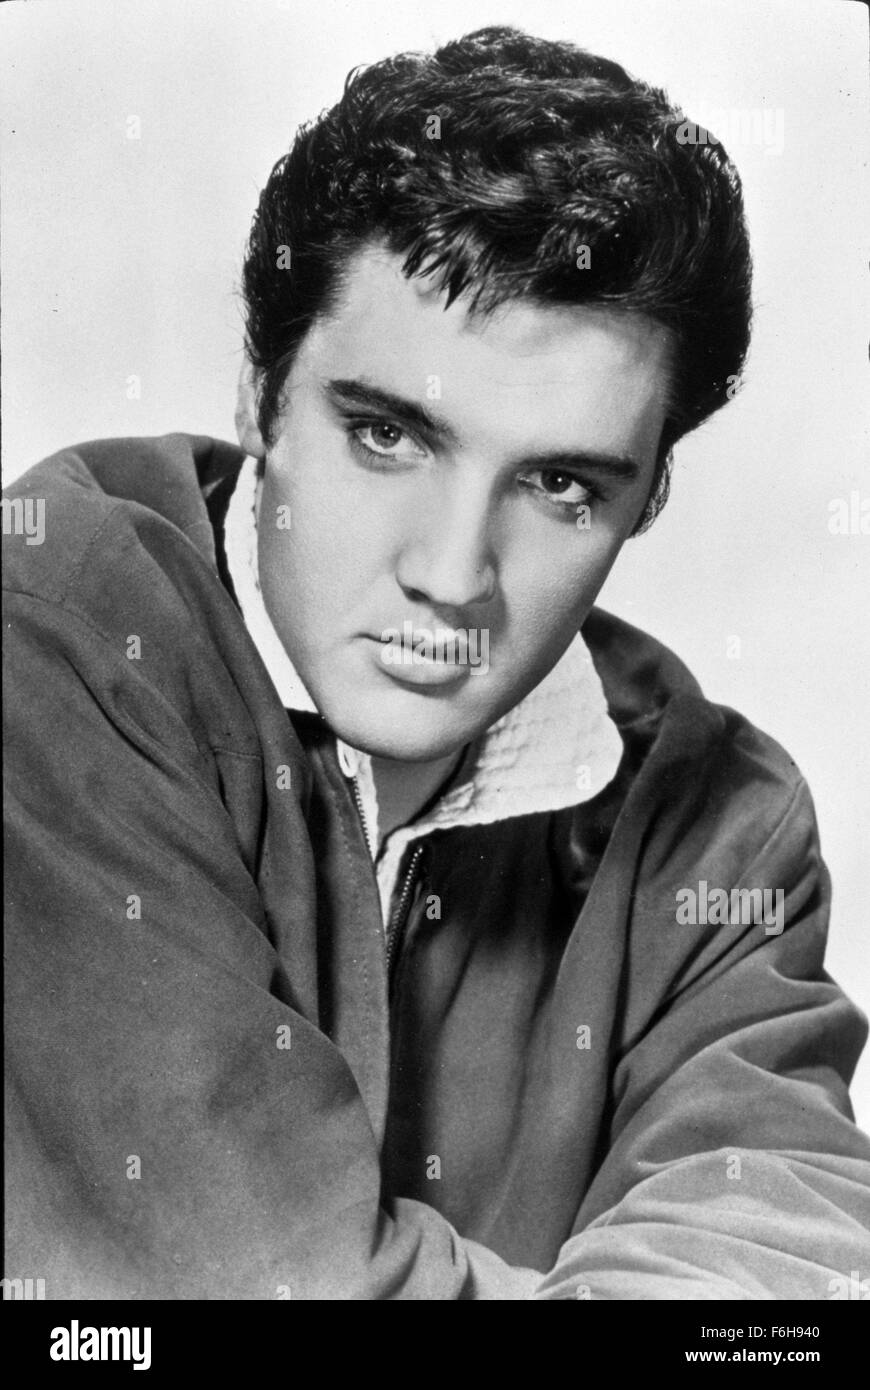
<point>384,439</point>
<point>559,488</point>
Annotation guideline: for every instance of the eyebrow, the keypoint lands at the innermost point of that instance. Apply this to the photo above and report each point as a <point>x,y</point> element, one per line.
<point>361,394</point>
<point>373,398</point>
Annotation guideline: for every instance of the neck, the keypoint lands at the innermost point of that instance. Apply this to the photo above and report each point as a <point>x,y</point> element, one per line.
<point>405,788</point>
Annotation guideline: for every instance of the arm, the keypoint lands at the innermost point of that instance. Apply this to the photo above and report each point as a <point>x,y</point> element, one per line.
<point>178,1127</point>
<point>734,1170</point>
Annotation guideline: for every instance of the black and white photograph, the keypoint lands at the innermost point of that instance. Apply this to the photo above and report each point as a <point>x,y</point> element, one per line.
<point>436,553</point>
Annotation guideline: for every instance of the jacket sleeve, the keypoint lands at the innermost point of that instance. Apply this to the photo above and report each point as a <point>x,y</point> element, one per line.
<point>176,1128</point>
<point>734,1169</point>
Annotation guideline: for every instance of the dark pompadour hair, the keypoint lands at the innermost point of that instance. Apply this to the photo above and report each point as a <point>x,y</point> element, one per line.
<point>541,149</point>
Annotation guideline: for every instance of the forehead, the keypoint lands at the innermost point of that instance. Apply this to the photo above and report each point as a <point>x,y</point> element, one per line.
<point>599,373</point>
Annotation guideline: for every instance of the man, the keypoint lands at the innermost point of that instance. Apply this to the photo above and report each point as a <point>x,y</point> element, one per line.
<point>385,920</point>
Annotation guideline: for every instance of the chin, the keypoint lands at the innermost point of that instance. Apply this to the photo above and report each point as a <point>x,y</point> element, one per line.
<point>403,735</point>
<point>411,745</point>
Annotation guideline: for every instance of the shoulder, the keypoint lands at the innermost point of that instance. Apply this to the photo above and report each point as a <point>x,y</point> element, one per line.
<point>701,774</point>
<point>120,604</point>
<point>82,517</point>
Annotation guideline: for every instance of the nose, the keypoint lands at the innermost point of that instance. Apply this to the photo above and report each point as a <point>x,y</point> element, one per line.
<point>447,560</point>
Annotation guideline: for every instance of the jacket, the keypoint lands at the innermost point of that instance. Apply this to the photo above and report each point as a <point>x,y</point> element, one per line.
<point>217,1084</point>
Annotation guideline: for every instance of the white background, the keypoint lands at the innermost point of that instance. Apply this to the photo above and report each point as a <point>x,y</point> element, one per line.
<point>122,257</point>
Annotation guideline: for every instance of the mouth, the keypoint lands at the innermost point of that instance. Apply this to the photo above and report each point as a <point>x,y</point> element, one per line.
<point>418,662</point>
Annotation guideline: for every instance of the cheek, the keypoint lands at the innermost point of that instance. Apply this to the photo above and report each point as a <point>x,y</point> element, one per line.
<point>341,520</point>
<point>288,561</point>
<point>552,582</point>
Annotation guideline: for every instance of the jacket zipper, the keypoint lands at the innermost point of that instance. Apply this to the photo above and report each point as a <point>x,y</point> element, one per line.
<point>397,922</point>
<point>400,916</point>
<point>357,796</point>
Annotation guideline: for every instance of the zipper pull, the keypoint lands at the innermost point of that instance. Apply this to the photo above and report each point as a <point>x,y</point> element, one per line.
<point>348,759</point>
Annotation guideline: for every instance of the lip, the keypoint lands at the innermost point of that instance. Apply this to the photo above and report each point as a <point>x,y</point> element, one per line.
<point>422,672</point>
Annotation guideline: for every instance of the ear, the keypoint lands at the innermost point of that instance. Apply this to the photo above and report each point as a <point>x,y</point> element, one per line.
<point>247,429</point>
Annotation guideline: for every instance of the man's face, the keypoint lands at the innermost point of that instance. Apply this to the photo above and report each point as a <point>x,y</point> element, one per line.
<point>433,465</point>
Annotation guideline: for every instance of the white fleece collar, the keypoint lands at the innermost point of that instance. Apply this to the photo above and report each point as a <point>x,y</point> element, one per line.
<point>558,747</point>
